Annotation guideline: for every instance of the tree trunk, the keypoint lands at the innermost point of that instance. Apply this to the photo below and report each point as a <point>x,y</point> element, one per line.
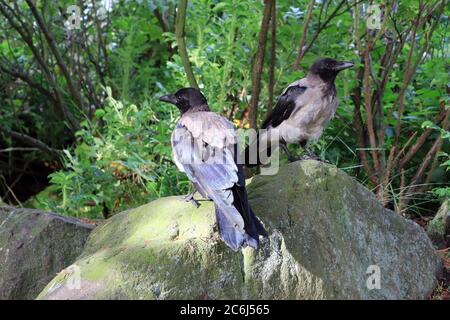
<point>258,63</point>
<point>273,46</point>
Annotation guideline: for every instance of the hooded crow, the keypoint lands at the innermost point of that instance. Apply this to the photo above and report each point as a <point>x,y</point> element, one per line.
<point>303,110</point>
<point>204,146</point>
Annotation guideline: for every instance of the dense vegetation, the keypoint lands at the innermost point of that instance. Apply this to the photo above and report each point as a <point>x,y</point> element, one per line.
<point>79,104</point>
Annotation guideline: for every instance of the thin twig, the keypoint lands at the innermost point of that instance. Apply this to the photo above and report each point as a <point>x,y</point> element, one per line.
<point>31,142</point>
<point>300,52</point>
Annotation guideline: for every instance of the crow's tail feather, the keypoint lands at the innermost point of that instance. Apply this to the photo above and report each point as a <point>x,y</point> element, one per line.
<point>260,230</point>
<point>253,228</point>
<point>233,237</point>
<point>251,223</point>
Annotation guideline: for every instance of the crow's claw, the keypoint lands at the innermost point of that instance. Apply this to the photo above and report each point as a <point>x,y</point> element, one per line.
<point>312,156</point>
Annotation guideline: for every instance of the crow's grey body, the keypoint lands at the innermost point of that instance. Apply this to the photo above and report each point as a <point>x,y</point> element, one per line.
<point>204,147</point>
<point>312,110</point>
<point>302,111</point>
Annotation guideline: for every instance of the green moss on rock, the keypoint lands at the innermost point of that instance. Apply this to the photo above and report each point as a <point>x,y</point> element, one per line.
<point>325,231</point>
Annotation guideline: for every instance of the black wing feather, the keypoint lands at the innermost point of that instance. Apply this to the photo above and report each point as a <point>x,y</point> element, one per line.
<point>284,107</point>
<point>252,225</point>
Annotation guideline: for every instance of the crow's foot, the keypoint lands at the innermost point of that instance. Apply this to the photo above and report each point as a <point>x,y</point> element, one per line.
<point>312,156</point>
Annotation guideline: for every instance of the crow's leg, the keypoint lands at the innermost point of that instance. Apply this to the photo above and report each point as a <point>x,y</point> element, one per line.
<point>309,155</point>
<point>190,198</point>
<point>291,158</point>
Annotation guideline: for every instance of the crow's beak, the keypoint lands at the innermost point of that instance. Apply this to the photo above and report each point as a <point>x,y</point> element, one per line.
<point>344,65</point>
<point>170,98</point>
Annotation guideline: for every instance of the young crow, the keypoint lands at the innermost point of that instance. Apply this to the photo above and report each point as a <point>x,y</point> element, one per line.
<point>303,109</point>
<point>204,147</point>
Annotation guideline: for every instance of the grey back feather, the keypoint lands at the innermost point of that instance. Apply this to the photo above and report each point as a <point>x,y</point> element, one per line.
<point>203,148</point>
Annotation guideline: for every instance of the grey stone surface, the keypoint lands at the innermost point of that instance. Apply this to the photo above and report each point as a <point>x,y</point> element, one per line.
<point>34,246</point>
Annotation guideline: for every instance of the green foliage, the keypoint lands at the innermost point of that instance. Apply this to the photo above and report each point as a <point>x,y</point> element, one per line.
<point>443,192</point>
<point>121,160</point>
<point>121,156</point>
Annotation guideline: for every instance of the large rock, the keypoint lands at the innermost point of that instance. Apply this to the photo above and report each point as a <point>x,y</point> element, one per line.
<point>326,232</point>
<point>34,246</point>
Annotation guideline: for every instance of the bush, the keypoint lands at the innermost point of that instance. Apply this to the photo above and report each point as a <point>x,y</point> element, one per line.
<point>122,159</point>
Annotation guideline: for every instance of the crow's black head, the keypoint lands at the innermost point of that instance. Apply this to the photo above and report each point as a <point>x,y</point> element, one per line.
<point>187,99</point>
<point>327,68</point>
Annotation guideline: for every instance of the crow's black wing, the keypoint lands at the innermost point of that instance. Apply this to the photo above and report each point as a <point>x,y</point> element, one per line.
<point>284,107</point>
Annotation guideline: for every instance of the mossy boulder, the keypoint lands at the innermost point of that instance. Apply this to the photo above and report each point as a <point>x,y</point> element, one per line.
<point>34,246</point>
<point>439,227</point>
<point>326,232</point>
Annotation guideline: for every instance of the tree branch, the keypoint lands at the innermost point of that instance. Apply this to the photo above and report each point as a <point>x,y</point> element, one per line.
<point>369,111</point>
<point>74,90</point>
<point>421,141</point>
<point>27,38</point>
<point>273,46</point>
<point>162,22</point>
<point>358,123</point>
<point>26,78</point>
<point>300,52</point>
<point>26,139</point>
<point>321,27</point>
<point>258,63</point>
<point>411,66</point>
<point>180,22</point>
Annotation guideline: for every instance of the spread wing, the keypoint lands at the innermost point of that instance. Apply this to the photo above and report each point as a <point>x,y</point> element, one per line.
<point>285,105</point>
<point>203,147</point>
